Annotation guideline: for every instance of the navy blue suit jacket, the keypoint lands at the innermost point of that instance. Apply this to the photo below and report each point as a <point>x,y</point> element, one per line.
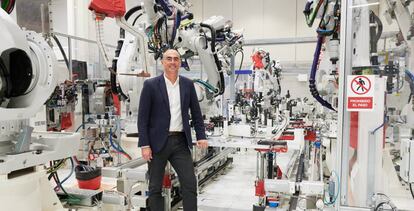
<point>154,113</point>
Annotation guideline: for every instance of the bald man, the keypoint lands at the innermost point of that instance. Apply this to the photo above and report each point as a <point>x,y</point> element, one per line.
<point>164,130</point>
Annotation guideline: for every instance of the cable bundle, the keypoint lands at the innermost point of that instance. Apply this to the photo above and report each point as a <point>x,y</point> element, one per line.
<point>8,5</point>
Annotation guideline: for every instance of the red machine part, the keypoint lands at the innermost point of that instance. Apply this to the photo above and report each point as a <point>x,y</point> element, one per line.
<point>109,8</point>
<point>277,149</point>
<point>92,156</point>
<point>286,138</point>
<point>279,173</point>
<point>353,133</point>
<point>92,184</point>
<point>117,104</point>
<point>280,149</point>
<point>260,189</point>
<point>297,124</point>
<point>166,183</point>
<point>257,61</point>
<point>310,135</point>
<point>66,120</point>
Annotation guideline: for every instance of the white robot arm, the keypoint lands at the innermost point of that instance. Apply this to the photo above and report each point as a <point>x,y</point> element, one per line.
<point>165,28</point>
<point>213,51</point>
<point>212,40</point>
<point>27,71</point>
<point>28,75</point>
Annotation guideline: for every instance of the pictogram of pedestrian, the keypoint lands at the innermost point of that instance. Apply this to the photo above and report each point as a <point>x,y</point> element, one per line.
<point>361,84</point>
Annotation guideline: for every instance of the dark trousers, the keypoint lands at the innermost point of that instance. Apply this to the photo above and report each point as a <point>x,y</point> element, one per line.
<point>178,154</point>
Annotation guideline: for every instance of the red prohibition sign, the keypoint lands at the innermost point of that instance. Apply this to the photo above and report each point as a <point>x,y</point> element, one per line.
<point>363,85</point>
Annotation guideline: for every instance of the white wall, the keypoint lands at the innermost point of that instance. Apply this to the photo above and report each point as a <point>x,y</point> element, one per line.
<point>264,19</point>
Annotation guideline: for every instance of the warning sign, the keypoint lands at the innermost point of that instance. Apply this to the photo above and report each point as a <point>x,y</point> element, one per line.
<point>360,92</point>
<point>361,85</point>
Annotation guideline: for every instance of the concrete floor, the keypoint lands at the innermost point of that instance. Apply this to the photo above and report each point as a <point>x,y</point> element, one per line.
<point>234,189</point>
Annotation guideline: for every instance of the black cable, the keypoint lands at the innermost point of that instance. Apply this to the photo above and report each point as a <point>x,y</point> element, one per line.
<point>375,34</point>
<point>158,26</point>
<point>55,176</point>
<point>213,36</point>
<point>127,16</point>
<point>4,73</point>
<point>59,184</point>
<point>135,20</point>
<point>241,63</point>
<point>380,205</point>
<point>114,87</point>
<point>206,39</point>
<point>61,51</point>
<point>216,59</point>
<point>411,190</point>
<point>132,11</point>
<point>325,8</point>
<point>279,87</point>
<point>380,27</point>
<point>177,22</point>
<point>12,6</point>
<point>322,24</point>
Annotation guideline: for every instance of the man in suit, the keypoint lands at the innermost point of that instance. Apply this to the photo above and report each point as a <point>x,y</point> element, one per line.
<point>164,130</point>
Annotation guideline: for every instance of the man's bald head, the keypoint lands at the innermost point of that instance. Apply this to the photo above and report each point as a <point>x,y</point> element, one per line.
<point>170,52</point>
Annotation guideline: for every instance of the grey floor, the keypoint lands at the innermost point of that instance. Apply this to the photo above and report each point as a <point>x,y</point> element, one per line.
<point>234,189</point>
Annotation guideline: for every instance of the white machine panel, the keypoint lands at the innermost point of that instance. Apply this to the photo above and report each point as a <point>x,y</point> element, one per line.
<point>280,186</point>
<point>312,187</point>
<point>407,160</point>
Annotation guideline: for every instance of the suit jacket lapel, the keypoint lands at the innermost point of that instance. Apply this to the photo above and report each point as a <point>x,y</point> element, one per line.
<point>163,90</point>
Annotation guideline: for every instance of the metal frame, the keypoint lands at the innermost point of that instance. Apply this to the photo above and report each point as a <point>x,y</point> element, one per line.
<point>69,42</point>
<point>280,41</point>
<point>343,116</point>
<point>342,149</point>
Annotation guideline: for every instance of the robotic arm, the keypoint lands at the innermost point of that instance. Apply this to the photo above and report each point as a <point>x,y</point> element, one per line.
<point>222,43</point>
<point>212,40</point>
<point>28,75</point>
<point>168,24</point>
<point>27,71</point>
<point>399,10</point>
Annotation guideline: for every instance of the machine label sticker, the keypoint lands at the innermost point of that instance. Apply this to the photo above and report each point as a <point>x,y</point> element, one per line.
<point>360,93</point>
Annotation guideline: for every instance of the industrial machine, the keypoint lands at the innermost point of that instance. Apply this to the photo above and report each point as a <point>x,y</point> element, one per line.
<point>355,147</point>
<point>142,41</point>
<point>170,26</point>
<point>60,107</point>
<point>349,145</point>
<point>258,105</point>
<point>29,74</point>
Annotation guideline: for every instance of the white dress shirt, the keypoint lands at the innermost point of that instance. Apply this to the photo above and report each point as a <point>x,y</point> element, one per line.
<point>173,90</point>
